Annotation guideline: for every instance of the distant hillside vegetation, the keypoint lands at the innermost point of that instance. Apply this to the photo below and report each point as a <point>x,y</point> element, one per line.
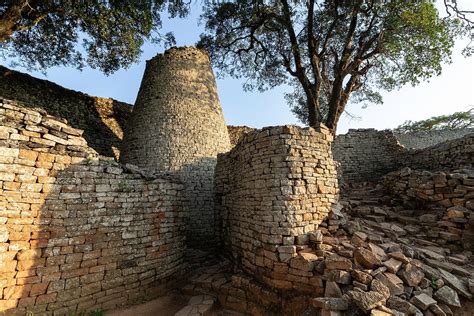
<point>103,120</point>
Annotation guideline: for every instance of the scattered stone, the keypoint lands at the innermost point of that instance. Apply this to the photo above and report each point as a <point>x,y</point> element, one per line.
<point>422,301</point>
<point>337,262</point>
<point>448,296</point>
<point>403,306</point>
<point>366,258</point>
<point>455,283</point>
<point>332,290</point>
<point>393,265</point>
<point>379,287</point>
<point>366,300</point>
<point>400,257</point>
<point>361,277</point>
<point>411,275</point>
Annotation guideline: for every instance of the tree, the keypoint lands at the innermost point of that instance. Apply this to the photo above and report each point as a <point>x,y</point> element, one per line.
<point>328,50</point>
<point>454,9</point>
<point>463,119</point>
<point>42,34</point>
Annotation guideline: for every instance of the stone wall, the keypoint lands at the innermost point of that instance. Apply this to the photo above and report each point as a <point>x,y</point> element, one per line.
<point>102,120</point>
<point>450,155</point>
<point>367,154</point>
<point>273,190</point>
<point>424,139</point>
<point>446,199</point>
<point>177,125</point>
<point>78,233</point>
<point>236,132</point>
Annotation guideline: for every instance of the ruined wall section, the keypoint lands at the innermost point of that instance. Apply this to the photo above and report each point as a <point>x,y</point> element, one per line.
<point>102,119</point>
<point>424,139</point>
<point>273,189</point>
<point>177,125</point>
<point>450,155</point>
<point>77,233</point>
<point>446,199</point>
<point>367,154</point>
<point>236,132</point>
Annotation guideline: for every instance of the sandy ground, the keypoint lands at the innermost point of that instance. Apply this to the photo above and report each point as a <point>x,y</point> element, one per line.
<point>162,306</point>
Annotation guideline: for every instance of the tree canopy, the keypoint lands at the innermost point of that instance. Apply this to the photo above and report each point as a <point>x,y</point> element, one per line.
<point>107,35</point>
<point>462,119</point>
<point>328,50</point>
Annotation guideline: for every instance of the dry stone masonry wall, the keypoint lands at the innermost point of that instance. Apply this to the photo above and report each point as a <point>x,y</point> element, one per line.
<point>273,190</point>
<point>102,119</point>
<point>367,154</point>
<point>450,155</point>
<point>424,139</point>
<point>177,125</point>
<point>78,233</point>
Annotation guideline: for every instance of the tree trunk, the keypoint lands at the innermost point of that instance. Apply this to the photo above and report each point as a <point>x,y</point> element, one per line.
<point>314,118</point>
<point>335,104</point>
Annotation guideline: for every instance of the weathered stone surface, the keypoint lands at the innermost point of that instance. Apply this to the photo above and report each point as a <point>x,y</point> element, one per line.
<point>379,287</point>
<point>338,262</point>
<point>366,300</point>
<point>422,301</point>
<point>366,258</point>
<point>411,275</point>
<point>455,283</point>
<point>332,289</point>
<point>403,306</point>
<point>447,296</point>
<point>330,303</point>
<point>304,262</point>
<point>392,265</point>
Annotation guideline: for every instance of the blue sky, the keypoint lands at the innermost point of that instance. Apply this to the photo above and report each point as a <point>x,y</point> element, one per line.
<point>452,91</point>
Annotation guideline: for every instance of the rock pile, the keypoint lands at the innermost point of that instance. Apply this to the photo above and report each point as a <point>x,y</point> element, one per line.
<point>367,262</point>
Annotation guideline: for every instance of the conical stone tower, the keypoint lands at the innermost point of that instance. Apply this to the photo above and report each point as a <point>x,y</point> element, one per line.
<point>177,125</point>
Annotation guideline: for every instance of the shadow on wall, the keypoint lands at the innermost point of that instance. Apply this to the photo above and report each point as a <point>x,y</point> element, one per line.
<point>82,235</point>
<point>102,119</point>
<point>198,179</point>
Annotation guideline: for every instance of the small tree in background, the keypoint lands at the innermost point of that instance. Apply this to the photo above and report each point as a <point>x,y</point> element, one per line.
<point>452,121</point>
<point>106,35</point>
<point>328,51</point>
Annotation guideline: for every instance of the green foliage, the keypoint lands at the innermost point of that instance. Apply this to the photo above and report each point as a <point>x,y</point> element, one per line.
<point>107,35</point>
<point>328,51</point>
<point>453,121</point>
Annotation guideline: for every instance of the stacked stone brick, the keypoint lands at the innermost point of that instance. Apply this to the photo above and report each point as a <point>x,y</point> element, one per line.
<point>102,119</point>
<point>177,125</point>
<point>447,199</point>
<point>78,233</point>
<point>273,189</point>
<point>450,155</point>
<point>236,132</point>
<point>367,154</point>
<point>424,139</point>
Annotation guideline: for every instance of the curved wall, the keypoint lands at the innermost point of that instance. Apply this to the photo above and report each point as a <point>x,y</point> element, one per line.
<point>273,189</point>
<point>177,125</point>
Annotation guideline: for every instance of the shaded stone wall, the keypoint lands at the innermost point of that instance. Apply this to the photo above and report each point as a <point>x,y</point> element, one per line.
<point>424,139</point>
<point>78,233</point>
<point>273,189</point>
<point>450,155</point>
<point>367,154</point>
<point>102,119</point>
<point>177,125</point>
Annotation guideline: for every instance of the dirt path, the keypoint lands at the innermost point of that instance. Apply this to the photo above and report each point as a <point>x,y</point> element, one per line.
<point>162,306</point>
